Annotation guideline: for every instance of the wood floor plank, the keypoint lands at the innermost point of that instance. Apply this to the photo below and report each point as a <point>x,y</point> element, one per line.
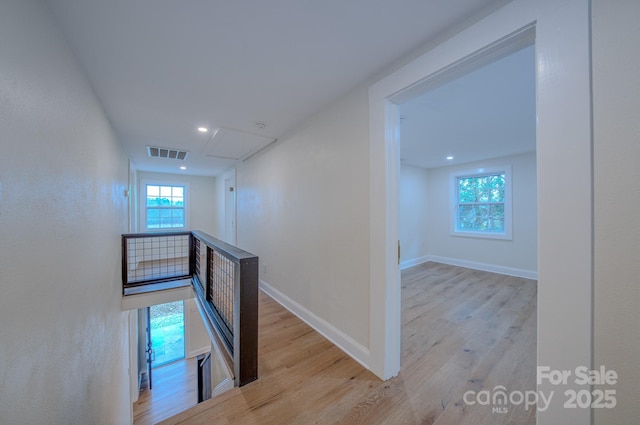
<point>174,390</point>
<point>463,330</point>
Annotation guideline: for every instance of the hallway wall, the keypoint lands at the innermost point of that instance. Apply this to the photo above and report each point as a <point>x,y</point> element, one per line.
<point>63,339</point>
<point>303,208</point>
<point>201,198</point>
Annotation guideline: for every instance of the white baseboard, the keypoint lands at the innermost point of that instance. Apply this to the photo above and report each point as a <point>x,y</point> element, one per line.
<point>222,387</point>
<point>343,341</point>
<point>509,271</point>
<point>413,262</point>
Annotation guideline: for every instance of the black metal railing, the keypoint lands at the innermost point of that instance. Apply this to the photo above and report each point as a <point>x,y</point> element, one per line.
<point>155,257</point>
<point>224,279</point>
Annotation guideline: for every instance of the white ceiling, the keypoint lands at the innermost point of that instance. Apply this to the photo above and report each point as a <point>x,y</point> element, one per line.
<point>161,68</point>
<point>487,113</point>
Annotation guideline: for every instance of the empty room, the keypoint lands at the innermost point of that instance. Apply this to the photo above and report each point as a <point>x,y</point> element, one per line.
<point>468,234</point>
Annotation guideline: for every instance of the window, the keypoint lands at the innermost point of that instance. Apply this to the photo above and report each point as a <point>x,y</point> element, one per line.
<point>482,203</point>
<point>165,206</point>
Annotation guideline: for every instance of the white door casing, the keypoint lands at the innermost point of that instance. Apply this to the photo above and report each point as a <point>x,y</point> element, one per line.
<point>563,92</point>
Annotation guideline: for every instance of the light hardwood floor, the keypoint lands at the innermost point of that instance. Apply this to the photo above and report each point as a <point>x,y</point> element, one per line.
<point>463,330</point>
<point>174,390</point>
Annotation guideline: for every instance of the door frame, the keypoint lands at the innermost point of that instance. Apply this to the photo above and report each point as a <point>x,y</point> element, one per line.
<point>563,91</point>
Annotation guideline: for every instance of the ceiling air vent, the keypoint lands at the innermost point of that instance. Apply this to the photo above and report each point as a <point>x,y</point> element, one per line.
<point>157,152</point>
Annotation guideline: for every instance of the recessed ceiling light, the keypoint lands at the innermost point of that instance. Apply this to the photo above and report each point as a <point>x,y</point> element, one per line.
<point>183,168</point>
<point>203,129</point>
<point>449,158</point>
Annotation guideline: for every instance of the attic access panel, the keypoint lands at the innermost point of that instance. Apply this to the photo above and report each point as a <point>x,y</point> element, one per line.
<point>236,145</point>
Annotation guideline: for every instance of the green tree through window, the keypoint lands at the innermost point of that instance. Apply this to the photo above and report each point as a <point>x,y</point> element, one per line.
<point>481,203</point>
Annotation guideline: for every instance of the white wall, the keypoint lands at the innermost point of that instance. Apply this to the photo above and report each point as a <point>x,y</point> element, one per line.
<point>616,96</point>
<point>414,213</point>
<point>196,337</point>
<point>518,253</point>
<point>202,208</point>
<point>303,208</point>
<point>63,339</point>
<point>425,219</point>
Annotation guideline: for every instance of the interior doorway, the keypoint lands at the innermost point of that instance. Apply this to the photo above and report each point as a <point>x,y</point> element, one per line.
<point>467,186</point>
<point>164,336</point>
<point>167,332</point>
<point>564,164</point>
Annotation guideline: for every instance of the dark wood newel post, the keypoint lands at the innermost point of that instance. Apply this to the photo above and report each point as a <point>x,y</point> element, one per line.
<point>246,317</point>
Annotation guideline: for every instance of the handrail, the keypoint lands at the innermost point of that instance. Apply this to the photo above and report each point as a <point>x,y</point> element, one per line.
<point>151,249</point>
<point>230,251</point>
<point>231,273</point>
<point>226,286</point>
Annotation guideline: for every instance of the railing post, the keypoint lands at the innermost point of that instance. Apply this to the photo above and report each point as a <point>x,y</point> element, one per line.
<point>245,333</point>
<point>124,263</point>
<point>192,254</point>
<point>209,278</point>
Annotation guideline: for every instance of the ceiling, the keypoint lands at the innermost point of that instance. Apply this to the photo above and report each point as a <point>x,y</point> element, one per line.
<point>163,68</point>
<point>487,113</point>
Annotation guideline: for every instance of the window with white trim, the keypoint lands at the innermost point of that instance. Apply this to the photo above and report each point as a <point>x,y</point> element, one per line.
<point>482,203</point>
<point>165,206</point>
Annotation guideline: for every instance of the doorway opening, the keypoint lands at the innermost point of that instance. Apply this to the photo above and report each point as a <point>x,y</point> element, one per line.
<point>167,332</point>
<point>467,225</point>
<point>564,164</point>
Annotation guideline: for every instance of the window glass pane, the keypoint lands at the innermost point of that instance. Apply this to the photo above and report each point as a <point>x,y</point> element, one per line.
<point>482,189</point>
<point>466,217</point>
<point>482,217</point>
<point>178,191</point>
<point>467,190</point>
<point>496,188</point>
<point>165,191</point>
<point>496,218</point>
<point>497,195</point>
<point>178,216</point>
<point>153,218</point>
<point>177,202</point>
<point>153,191</point>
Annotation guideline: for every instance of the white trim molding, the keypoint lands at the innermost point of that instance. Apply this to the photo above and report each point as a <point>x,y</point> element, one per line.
<point>485,267</point>
<point>565,241</point>
<point>352,348</point>
<point>222,387</point>
<point>414,262</point>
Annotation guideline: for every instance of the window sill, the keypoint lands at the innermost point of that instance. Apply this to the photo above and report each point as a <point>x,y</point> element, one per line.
<point>483,235</point>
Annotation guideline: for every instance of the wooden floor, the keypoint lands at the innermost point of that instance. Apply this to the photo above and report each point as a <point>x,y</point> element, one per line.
<point>463,330</point>
<point>174,390</point>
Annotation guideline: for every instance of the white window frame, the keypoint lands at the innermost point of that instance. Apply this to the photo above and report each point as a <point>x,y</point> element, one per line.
<point>508,207</point>
<point>143,204</point>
